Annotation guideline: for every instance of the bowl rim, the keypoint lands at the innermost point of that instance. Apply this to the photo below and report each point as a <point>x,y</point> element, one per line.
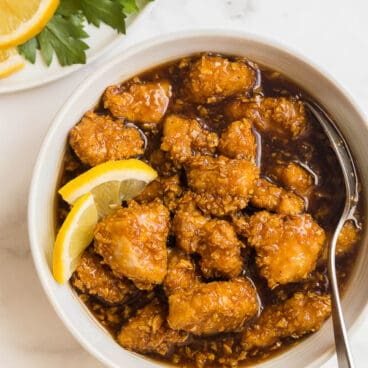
<point>155,41</point>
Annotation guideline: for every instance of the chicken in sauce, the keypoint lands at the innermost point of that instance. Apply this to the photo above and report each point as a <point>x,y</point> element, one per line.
<point>220,261</point>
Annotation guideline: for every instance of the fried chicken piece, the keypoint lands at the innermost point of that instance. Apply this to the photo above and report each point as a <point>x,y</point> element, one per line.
<point>214,240</point>
<point>151,192</point>
<point>348,237</point>
<point>160,161</point>
<point>346,240</point>
<point>287,247</point>
<point>222,306</point>
<point>171,191</point>
<point>294,177</point>
<point>181,273</point>
<point>276,199</point>
<point>94,278</point>
<point>283,117</point>
<point>148,332</point>
<point>168,189</point>
<point>297,316</point>
<point>240,223</point>
<point>132,241</point>
<point>99,138</point>
<point>144,103</point>
<point>220,248</point>
<point>212,78</point>
<point>238,141</point>
<point>221,185</point>
<point>188,223</point>
<point>184,138</point>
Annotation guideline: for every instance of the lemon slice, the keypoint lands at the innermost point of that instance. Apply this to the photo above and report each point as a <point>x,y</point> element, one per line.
<point>74,236</point>
<point>20,20</point>
<point>10,62</point>
<point>110,183</point>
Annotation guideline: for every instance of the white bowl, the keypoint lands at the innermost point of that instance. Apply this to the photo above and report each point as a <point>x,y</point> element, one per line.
<point>314,350</point>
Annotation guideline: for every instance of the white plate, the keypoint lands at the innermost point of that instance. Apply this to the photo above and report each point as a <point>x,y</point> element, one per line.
<point>101,40</point>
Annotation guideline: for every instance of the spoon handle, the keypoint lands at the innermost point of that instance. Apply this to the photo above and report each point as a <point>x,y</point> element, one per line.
<point>338,144</point>
<point>343,352</point>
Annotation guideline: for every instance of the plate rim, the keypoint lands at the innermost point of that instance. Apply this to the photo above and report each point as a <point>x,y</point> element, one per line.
<point>73,68</point>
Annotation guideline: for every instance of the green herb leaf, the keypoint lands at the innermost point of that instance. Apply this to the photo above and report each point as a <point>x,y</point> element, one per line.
<point>106,11</point>
<point>129,6</point>
<point>28,50</point>
<point>69,7</point>
<point>68,26</point>
<point>63,34</point>
<point>46,47</point>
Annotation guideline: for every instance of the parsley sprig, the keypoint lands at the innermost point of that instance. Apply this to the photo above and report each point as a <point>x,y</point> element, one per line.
<point>64,33</point>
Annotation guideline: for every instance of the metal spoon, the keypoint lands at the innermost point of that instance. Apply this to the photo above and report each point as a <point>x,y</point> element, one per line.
<point>338,144</point>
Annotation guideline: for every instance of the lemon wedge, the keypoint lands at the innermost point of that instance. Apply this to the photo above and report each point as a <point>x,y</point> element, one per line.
<point>10,62</point>
<point>20,20</point>
<point>110,183</point>
<point>94,194</point>
<point>73,238</point>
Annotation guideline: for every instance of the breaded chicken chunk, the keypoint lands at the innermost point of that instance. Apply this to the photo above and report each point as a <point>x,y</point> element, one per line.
<point>168,189</point>
<point>283,117</point>
<point>240,223</point>
<point>188,223</point>
<point>94,278</point>
<point>294,177</point>
<point>148,332</point>
<point>238,141</point>
<point>276,199</point>
<point>132,241</point>
<point>221,185</point>
<point>212,78</point>
<point>297,316</point>
<point>287,247</point>
<point>346,241</point>
<point>348,237</point>
<point>181,273</point>
<point>144,103</point>
<point>220,248</point>
<point>221,306</point>
<point>99,138</point>
<point>214,240</point>
<point>184,138</point>
<point>160,161</point>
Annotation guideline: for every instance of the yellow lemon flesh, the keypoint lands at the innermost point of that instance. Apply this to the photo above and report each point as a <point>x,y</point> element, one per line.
<point>20,20</point>
<point>73,238</point>
<point>10,62</point>
<point>110,183</point>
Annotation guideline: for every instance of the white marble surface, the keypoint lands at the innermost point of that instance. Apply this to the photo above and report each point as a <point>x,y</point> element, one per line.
<point>331,32</point>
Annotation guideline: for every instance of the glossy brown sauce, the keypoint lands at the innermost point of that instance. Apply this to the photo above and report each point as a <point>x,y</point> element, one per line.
<point>312,151</point>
